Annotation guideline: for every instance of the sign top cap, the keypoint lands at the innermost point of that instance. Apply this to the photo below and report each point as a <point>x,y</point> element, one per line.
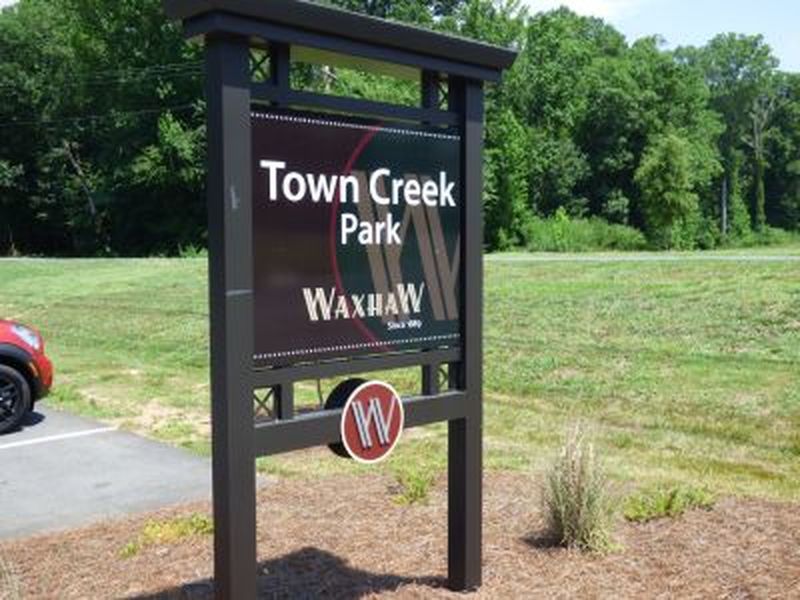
<point>330,21</point>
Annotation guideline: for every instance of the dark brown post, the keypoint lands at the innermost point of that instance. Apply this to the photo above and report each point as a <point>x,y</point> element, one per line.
<point>429,87</point>
<point>465,468</point>
<point>231,305</point>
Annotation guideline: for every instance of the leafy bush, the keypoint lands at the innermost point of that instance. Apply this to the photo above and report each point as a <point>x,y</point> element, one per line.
<point>685,233</point>
<point>563,234</point>
<point>659,502</point>
<point>768,236</point>
<point>708,235</point>
<point>192,251</point>
<point>577,501</point>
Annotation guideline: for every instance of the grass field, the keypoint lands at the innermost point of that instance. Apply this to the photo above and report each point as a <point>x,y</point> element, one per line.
<point>687,372</point>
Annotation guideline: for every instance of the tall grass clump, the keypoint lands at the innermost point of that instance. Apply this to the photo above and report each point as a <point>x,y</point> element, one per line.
<point>577,499</point>
<point>9,585</point>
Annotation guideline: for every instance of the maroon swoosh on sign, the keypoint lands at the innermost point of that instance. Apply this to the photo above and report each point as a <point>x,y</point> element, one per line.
<point>348,168</point>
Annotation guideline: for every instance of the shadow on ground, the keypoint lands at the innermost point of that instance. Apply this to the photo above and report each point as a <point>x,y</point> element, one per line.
<point>305,574</point>
<point>543,540</point>
<point>31,419</point>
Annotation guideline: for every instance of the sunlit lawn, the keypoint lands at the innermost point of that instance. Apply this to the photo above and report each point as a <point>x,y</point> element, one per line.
<point>684,371</point>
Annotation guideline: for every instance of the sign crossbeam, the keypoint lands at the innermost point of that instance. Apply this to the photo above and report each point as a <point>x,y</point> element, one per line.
<point>446,126</point>
<point>321,428</point>
<point>268,377</point>
<point>260,33</point>
<point>353,106</point>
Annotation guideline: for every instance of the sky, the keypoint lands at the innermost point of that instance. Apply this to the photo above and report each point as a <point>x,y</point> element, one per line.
<point>692,22</point>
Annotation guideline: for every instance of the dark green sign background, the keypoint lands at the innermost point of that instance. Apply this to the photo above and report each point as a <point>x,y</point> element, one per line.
<point>299,251</point>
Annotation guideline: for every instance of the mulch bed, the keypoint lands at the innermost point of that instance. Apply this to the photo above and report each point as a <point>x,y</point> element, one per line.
<point>346,538</point>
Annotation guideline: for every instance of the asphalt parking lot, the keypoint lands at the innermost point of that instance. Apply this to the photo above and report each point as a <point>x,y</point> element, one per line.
<point>61,471</point>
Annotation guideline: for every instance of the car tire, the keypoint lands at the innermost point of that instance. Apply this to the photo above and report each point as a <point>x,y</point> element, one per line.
<point>15,398</point>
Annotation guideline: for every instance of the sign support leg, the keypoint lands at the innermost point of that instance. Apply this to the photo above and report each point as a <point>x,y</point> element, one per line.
<point>465,451</point>
<point>231,306</point>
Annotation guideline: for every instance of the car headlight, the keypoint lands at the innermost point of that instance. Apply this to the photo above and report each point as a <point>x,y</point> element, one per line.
<point>28,336</point>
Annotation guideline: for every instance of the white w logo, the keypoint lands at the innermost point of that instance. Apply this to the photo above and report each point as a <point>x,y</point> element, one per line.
<point>439,269</point>
<point>365,418</point>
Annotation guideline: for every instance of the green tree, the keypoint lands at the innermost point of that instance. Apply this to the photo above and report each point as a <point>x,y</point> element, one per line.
<point>411,11</point>
<point>9,176</point>
<point>102,123</point>
<point>739,70</point>
<point>85,86</point>
<point>508,143</point>
<point>506,208</point>
<point>783,149</point>
<point>643,93</point>
<point>545,92</point>
<point>669,203</point>
<point>760,117</point>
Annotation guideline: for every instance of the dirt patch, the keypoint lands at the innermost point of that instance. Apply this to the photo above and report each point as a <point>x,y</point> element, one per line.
<point>154,415</point>
<point>344,537</point>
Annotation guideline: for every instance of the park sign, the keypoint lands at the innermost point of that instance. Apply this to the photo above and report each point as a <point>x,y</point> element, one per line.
<point>345,237</point>
<point>356,234</point>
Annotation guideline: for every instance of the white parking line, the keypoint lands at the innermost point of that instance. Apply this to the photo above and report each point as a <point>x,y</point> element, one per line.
<point>56,438</point>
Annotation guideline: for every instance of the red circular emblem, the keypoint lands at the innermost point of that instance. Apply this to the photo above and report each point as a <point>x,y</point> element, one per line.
<point>372,421</point>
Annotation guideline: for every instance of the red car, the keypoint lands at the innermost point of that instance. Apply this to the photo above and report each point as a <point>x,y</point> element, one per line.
<point>26,374</point>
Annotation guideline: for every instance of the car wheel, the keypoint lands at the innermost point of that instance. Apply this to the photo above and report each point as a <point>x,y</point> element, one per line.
<point>15,398</point>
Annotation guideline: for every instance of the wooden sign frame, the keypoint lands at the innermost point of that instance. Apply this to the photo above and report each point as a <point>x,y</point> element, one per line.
<point>446,65</point>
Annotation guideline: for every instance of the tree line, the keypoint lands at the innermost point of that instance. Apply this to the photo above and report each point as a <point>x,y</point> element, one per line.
<point>102,128</point>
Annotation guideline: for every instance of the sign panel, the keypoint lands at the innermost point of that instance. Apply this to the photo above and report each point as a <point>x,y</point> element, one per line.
<point>356,233</point>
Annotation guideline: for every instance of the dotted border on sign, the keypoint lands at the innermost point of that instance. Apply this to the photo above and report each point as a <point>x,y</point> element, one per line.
<point>345,125</point>
<point>359,346</point>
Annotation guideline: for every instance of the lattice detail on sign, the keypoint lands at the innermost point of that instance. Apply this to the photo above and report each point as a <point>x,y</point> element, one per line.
<point>263,409</point>
<point>444,377</point>
<point>259,65</point>
<point>444,93</point>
